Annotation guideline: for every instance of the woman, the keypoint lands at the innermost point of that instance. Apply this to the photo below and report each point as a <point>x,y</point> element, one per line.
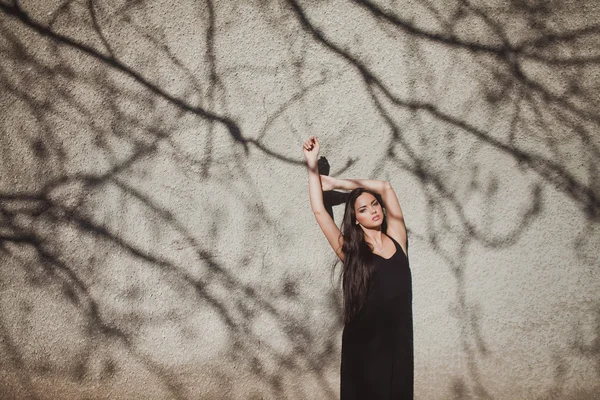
<point>377,343</point>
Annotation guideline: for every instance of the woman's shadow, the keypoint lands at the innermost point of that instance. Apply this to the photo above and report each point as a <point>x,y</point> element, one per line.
<point>331,198</point>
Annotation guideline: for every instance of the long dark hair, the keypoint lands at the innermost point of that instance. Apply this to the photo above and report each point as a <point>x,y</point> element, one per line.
<point>358,258</point>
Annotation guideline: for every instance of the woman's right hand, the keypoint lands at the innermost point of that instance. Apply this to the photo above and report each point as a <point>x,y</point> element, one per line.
<point>311,151</point>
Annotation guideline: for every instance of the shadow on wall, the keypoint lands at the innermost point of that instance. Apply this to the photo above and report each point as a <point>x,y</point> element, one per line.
<point>85,94</point>
<point>61,233</point>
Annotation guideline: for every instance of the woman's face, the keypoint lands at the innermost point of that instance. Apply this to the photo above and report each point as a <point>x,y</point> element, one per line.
<point>368,211</point>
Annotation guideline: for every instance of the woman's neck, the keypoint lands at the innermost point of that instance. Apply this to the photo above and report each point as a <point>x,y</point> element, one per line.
<point>374,237</point>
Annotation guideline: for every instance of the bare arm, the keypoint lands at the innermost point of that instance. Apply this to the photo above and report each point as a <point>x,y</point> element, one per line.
<point>332,232</point>
<point>395,218</point>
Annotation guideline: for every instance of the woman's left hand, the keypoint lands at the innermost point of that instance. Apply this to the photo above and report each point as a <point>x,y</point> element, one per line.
<point>327,183</point>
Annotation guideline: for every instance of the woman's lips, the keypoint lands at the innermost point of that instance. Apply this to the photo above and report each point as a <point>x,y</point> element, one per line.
<point>376,218</point>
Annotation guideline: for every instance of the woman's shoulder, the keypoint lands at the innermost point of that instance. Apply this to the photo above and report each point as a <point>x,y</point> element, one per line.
<point>398,245</point>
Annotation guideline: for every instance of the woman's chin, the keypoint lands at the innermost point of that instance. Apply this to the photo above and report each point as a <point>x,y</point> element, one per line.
<point>375,225</point>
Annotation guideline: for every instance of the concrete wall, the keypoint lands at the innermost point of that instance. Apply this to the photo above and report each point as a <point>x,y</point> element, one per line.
<point>156,240</point>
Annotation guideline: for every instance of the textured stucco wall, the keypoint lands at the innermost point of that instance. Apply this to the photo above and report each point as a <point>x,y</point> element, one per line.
<point>156,240</point>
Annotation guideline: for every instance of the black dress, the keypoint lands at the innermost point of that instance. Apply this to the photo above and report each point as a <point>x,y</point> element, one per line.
<point>377,345</point>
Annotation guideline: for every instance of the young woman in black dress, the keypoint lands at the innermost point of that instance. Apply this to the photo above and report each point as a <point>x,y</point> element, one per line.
<point>377,342</point>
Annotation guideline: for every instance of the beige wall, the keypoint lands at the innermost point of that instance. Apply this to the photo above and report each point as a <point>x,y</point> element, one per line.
<point>156,236</point>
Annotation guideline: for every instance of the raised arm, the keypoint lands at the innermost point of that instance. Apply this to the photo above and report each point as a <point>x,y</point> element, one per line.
<point>332,232</point>
<point>395,219</point>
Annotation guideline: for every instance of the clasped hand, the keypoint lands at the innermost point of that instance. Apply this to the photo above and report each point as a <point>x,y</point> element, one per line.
<point>311,150</point>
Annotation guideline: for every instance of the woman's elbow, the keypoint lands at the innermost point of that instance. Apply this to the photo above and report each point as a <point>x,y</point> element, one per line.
<point>319,212</point>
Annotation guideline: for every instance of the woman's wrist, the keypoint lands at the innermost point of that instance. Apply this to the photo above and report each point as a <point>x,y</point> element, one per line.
<point>312,165</point>
<point>344,184</point>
